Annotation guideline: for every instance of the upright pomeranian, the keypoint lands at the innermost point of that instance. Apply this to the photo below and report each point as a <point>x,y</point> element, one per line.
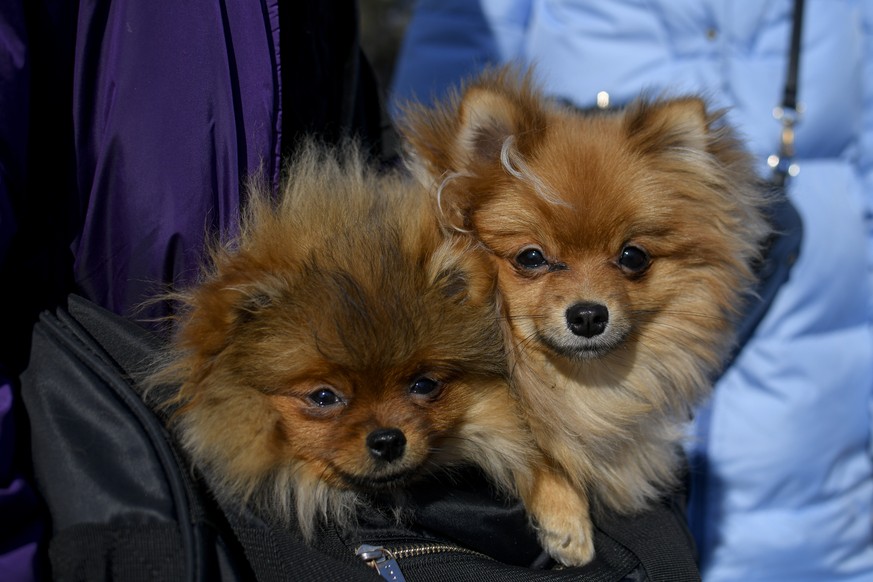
<point>344,345</point>
<point>624,243</point>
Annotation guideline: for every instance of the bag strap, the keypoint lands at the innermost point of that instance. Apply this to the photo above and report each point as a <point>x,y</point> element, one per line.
<point>789,97</point>
<point>787,112</point>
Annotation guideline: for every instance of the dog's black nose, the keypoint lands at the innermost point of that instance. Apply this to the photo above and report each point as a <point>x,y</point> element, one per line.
<point>587,319</point>
<point>386,444</point>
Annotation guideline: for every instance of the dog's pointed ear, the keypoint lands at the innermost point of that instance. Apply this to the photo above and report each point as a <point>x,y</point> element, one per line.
<point>218,308</point>
<point>462,271</point>
<point>486,120</point>
<point>459,142</point>
<point>657,126</point>
<point>469,127</point>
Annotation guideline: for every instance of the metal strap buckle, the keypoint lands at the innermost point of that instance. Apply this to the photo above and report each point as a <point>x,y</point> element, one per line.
<point>781,162</point>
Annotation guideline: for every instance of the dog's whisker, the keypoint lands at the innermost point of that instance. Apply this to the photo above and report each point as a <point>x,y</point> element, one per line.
<point>682,313</point>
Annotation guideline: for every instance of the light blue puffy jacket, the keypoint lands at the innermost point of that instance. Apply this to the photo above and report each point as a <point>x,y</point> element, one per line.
<point>786,492</point>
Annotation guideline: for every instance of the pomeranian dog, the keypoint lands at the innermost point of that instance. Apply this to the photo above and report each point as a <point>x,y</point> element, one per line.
<point>344,345</point>
<point>624,242</point>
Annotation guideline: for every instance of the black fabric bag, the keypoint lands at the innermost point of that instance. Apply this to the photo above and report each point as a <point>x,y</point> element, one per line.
<point>126,505</point>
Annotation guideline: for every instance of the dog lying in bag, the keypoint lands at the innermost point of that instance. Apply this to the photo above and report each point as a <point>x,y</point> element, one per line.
<point>343,347</point>
<point>625,244</point>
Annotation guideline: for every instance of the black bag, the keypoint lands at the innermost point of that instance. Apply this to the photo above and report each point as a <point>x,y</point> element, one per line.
<point>126,505</point>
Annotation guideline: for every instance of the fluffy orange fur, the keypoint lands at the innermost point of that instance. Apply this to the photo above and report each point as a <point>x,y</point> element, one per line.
<point>345,344</point>
<point>624,242</point>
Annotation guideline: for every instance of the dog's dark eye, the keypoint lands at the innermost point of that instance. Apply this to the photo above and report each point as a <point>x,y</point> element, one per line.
<point>633,259</point>
<point>425,386</point>
<point>325,397</point>
<point>531,258</point>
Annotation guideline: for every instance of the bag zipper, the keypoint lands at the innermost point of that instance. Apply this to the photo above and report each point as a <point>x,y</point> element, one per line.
<point>384,560</point>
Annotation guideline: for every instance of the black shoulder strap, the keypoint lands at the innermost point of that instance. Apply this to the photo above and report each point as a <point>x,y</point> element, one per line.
<point>789,98</point>
<point>787,111</point>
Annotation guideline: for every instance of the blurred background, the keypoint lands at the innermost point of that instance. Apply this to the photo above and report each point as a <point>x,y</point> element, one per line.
<point>382,25</point>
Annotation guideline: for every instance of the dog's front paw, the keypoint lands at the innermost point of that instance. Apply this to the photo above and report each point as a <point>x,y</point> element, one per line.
<point>567,535</point>
<point>562,517</point>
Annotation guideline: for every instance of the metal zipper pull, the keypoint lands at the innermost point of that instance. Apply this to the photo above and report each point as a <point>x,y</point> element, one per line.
<point>382,560</point>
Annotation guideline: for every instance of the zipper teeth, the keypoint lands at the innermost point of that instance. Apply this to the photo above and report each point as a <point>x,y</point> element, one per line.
<point>417,551</point>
